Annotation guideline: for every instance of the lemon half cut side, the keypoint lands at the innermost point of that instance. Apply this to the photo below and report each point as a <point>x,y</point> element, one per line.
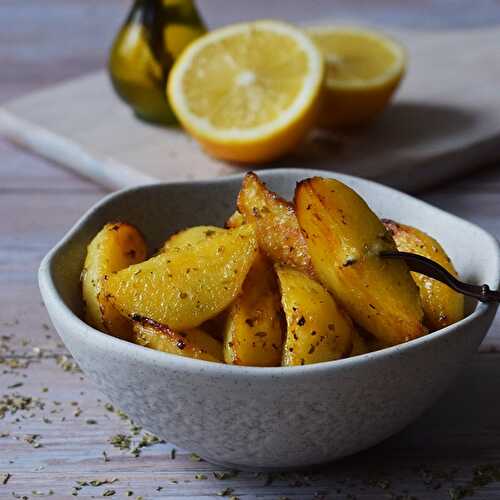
<point>363,69</point>
<point>248,92</point>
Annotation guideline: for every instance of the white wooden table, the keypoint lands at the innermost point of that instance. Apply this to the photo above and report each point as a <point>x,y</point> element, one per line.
<point>435,458</point>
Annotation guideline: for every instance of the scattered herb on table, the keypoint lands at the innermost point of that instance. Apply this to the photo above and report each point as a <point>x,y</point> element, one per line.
<point>120,441</point>
<point>122,414</point>
<point>225,492</point>
<point>32,439</point>
<point>482,476</point>
<point>135,429</point>
<point>226,474</point>
<point>460,492</point>
<point>96,482</point>
<point>15,386</point>
<point>384,484</point>
<point>146,440</point>
<point>12,403</point>
<point>68,364</point>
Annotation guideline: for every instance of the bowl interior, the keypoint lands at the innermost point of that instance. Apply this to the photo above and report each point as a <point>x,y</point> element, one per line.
<point>161,209</point>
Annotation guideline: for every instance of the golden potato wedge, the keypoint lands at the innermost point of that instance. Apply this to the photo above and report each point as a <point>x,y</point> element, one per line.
<point>236,219</point>
<point>254,331</point>
<point>184,289</point>
<point>115,247</point>
<point>442,305</point>
<point>359,345</point>
<point>278,231</point>
<point>345,238</point>
<point>191,237</point>
<point>193,343</point>
<point>317,329</point>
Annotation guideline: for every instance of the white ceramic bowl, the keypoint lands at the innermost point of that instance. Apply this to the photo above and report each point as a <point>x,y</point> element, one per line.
<point>267,418</point>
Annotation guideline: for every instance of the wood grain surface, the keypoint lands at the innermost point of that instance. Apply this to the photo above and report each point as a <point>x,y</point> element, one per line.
<point>437,127</point>
<point>436,458</point>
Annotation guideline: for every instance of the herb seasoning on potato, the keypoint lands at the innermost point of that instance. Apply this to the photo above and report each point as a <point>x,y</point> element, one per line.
<point>117,246</point>
<point>345,238</point>
<point>254,332</point>
<point>277,228</point>
<point>283,284</point>
<point>442,305</point>
<point>194,343</point>
<point>182,289</point>
<point>317,330</point>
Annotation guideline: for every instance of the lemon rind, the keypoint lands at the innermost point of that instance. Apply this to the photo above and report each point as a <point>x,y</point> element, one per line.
<point>300,106</point>
<point>392,73</point>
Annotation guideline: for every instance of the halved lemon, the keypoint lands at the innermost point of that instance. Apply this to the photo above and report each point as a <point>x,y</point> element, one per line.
<point>248,92</point>
<point>363,69</point>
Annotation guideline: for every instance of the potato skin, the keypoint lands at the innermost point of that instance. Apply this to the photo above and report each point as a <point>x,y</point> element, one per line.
<point>116,246</point>
<point>442,306</point>
<point>193,343</point>
<point>345,238</point>
<point>317,329</point>
<point>254,331</point>
<point>278,232</point>
<point>191,237</point>
<point>182,289</point>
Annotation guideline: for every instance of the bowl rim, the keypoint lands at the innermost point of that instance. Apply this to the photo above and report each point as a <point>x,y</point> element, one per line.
<point>103,340</point>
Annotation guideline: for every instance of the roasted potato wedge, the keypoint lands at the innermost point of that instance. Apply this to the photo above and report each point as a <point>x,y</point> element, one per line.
<point>115,247</point>
<point>345,238</point>
<point>317,329</point>
<point>254,331</point>
<point>182,289</point>
<point>191,238</point>
<point>193,343</point>
<point>442,305</point>
<point>236,219</point>
<point>278,231</point>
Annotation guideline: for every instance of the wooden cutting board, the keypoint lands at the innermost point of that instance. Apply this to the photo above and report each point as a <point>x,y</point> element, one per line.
<point>444,121</point>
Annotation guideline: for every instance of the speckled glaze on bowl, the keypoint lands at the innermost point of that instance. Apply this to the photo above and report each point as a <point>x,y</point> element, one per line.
<point>267,418</point>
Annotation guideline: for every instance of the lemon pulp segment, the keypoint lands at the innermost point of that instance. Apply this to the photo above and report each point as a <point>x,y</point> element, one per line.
<point>246,83</point>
